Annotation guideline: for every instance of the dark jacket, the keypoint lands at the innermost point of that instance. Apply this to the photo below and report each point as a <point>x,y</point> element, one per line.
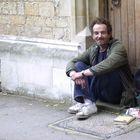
<point>116,59</point>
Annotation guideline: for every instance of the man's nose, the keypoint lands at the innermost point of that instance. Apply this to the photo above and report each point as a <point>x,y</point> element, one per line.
<point>100,34</point>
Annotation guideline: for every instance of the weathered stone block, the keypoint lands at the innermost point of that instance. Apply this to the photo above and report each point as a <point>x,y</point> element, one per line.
<point>61,22</point>
<point>46,9</point>
<point>20,8</point>
<point>4,19</point>
<point>8,8</point>
<point>32,8</point>
<point>17,20</point>
<point>50,22</point>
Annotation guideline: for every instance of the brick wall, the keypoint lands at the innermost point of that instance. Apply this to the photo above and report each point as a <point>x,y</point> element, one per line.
<point>36,18</point>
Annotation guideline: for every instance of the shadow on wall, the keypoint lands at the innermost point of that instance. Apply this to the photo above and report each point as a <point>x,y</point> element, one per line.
<point>84,38</point>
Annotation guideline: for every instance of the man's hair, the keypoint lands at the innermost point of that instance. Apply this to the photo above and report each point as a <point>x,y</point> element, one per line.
<point>101,20</point>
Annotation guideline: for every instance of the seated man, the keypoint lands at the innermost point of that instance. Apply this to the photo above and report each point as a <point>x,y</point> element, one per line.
<point>97,71</point>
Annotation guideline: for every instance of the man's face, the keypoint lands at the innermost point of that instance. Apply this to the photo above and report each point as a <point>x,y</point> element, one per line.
<point>101,35</point>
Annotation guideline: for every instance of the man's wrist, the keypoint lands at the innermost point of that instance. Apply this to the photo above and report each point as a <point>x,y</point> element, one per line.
<point>83,73</point>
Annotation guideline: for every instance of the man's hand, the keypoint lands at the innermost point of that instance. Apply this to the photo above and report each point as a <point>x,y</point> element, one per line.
<point>77,77</point>
<point>81,81</point>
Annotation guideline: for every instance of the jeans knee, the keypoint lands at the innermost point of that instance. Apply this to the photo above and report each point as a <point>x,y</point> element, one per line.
<point>80,66</point>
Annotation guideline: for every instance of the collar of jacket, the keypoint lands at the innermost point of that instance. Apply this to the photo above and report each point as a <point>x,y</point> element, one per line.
<point>112,41</point>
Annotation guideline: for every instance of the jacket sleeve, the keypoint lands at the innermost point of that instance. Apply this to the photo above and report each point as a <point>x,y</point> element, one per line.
<point>84,57</point>
<point>116,57</point>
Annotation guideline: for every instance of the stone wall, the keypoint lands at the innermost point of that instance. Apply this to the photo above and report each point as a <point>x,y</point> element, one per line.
<point>36,67</point>
<point>31,64</point>
<point>49,19</point>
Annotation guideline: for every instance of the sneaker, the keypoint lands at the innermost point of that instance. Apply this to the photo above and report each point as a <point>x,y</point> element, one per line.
<point>75,108</point>
<point>86,111</point>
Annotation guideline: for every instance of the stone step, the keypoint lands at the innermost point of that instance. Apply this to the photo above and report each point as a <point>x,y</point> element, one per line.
<point>109,107</point>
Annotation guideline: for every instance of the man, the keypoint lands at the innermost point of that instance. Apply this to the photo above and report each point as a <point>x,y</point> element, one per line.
<point>97,71</point>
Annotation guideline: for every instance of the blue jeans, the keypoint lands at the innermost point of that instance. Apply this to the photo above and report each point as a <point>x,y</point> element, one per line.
<point>107,87</point>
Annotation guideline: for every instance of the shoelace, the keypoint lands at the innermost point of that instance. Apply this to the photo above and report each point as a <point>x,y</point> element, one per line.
<point>84,107</point>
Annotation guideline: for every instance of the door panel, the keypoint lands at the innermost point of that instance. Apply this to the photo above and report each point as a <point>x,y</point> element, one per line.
<point>125,20</point>
<point>137,31</point>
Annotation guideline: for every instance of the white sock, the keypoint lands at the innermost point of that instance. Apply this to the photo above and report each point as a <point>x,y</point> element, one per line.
<point>88,102</point>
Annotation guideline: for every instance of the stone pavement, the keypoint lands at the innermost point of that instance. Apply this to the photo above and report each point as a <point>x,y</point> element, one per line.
<point>24,118</point>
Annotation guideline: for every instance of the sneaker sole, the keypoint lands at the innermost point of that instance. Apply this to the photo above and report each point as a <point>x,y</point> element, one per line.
<point>84,116</point>
<point>72,112</point>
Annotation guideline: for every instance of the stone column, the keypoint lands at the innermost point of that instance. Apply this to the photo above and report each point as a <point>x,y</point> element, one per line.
<point>80,14</point>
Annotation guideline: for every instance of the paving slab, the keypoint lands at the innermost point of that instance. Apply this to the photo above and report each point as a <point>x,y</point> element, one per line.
<point>100,125</point>
<point>24,118</point>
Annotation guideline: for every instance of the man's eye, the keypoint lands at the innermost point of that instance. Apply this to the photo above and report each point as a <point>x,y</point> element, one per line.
<point>103,33</point>
<point>96,33</point>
